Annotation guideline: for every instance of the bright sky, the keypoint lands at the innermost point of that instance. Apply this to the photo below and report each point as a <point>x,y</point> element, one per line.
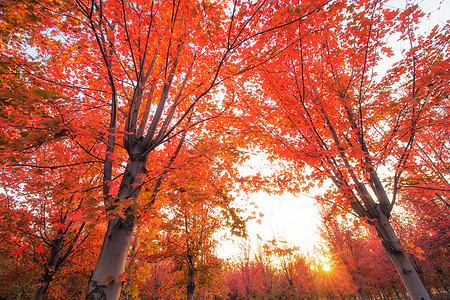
<point>287,217</point>
<point>295,218</point>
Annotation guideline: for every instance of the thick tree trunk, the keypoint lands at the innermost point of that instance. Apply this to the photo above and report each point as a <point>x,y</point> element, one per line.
<point>39,291</point>
<point>400,259</point>
<point>111,262</point>
<point>104,283</point>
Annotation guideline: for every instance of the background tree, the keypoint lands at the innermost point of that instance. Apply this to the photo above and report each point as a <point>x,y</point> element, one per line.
<point>194,203</point>
<point>357,251</point>
<point>44,175</point>
<point>293,268</point>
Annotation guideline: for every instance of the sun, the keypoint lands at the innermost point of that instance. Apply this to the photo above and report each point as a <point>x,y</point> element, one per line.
<point>326,267</point>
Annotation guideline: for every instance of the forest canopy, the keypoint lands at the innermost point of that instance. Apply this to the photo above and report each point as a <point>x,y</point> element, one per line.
<point>126,125</point>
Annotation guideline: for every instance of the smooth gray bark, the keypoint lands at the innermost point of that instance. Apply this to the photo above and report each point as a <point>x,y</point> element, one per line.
<point>400,259</point>
<point>111,262</point>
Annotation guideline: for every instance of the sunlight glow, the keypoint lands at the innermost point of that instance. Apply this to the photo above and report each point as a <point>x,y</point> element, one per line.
<point>326,267</point>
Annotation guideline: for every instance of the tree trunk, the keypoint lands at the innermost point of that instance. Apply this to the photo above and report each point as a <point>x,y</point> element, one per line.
<point>359,294</point>
<point>50,269</point>
<point>400,259</point>
<point>190,286</point>
<point>40,290</point>
<point>291,285</point>
<point>111,262</point>
<point>444,278</point>
<point>396,292</point>
<point>104,283</point>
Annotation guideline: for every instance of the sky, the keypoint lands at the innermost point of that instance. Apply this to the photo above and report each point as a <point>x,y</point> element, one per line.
<point>287,217</point>
<point>295,218</point>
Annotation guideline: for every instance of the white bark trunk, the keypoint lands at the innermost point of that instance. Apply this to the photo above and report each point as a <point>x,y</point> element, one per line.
<point>111,262</point>
<point>400,259</point>
<point>116,244</point>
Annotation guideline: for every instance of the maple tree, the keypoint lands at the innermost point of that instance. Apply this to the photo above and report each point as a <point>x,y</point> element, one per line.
<point>17,267</point>
<point>192,204</point>
<point>244,281</point>
<point>112,59</point>
<point>330,114</point>
<point>294,267</point>
<point>163,42</point>
<point>44,177</point>
<point>50,212</point>
<point>424,188</point>
<point>49,231</point>
<point>427,235</point>
<point>121,100</point>
<point>267,271</point>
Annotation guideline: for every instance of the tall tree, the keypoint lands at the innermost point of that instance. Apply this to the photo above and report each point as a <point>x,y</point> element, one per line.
<point>140,68</point>
<point>43,173</point>
<point>332,116</point>
<point>176,52</point>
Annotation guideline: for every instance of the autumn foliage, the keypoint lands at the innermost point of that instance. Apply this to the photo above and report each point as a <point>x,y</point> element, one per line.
<point>126,126</point>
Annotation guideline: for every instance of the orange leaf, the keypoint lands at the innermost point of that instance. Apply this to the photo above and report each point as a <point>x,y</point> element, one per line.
<point>122,276</point>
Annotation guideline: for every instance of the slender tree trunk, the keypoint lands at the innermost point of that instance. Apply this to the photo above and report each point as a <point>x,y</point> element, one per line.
<point>190,286</point>
<point>444,278</point>
<point>396,292</point>
<point>438,289</point>
<point>247,290</point>
<point>400,259</point>
<point>50,269</point>
<point>291,285</point>
<point>104,283</point>
<point>359,294</point>
<point>156,276</point>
